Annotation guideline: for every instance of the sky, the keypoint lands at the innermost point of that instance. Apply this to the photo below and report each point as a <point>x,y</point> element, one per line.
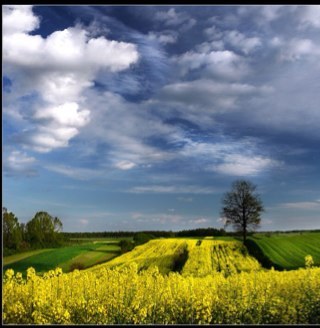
<point>141,117</point>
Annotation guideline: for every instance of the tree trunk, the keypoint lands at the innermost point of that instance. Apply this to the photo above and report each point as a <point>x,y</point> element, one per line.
<point>244,224</point>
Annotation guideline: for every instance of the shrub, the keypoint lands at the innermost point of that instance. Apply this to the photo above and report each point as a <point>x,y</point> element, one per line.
<point>77,266</point>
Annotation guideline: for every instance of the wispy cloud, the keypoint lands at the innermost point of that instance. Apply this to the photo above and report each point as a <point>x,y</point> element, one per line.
<point>173,189</point>
<point>75,172</point>
<point>18,163</point>
<point>308,205</point>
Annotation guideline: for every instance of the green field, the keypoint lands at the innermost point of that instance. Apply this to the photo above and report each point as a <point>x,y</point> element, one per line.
<point>288,250</point>
<point>20,256</point>
<point>83,256</point>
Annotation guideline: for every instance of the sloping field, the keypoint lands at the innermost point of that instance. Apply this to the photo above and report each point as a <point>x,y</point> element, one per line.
<point>288,250</point>
<point>20,256</point>
<point>188,256</point>
<point>209,256</point>
<point>162,253</point>
<point>85,255</point>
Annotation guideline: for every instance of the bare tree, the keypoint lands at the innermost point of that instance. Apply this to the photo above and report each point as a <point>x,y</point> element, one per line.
<point>242,208</point>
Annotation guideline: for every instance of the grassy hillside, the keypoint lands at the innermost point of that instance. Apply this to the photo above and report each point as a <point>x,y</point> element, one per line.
<point>83,255</point>
<point>288,250</point>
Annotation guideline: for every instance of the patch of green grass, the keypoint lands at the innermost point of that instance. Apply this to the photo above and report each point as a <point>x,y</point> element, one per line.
<point>288,250</point>
<point>63,257</point>
<point>20,256</point>
<point>101,254</point>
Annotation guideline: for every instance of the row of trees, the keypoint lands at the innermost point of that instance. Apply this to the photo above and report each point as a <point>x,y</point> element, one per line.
<point>41,231</point>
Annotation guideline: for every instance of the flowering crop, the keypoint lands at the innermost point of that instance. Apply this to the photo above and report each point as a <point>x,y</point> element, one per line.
<point>127,295</point>
<point>216,255</point>
<point>207,258</point>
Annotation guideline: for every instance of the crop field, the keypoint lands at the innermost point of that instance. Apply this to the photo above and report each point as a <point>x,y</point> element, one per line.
<point>125,295</point>
<point>83,255</point>
<point>210,256</point>
<point>190,256</point>
<point>160,252</point>
<point>288,250</point>
<point>165,281</point>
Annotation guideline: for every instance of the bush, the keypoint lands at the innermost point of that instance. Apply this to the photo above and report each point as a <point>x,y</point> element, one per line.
<point>126,246</point>
<point>142,238</point>
<point>77,266</point>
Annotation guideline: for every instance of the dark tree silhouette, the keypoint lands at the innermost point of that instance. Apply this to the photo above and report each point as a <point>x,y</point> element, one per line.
<point>242,208</point>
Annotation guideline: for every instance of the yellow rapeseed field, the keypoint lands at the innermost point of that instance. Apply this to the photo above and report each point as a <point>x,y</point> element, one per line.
<point>125,295</point>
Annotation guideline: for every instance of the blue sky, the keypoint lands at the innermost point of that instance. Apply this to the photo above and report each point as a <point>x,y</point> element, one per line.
<point>141,117</point>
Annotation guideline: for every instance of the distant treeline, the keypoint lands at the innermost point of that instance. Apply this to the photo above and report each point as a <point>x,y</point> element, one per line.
<point>286,231</point>
<point>199,232</point>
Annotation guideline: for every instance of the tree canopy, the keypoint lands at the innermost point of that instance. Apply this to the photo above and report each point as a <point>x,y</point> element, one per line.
<point>42,230</point>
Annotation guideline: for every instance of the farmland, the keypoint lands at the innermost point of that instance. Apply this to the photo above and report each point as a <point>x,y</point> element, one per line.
<point>288,250</point>
<point>190,256</point>
<point>125,295</point>
<point>81,256</point>
<point>164,281</point>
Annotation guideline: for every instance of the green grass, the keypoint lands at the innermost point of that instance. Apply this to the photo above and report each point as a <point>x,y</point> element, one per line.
<point>101,254</point>
<point>44,260</point>
<point>20,256</point>
<point>288,250</point>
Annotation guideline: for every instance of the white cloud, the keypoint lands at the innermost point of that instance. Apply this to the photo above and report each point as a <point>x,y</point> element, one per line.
<point>221,63</point>
<point>199,221</point>
<point>185,199</point>
<point>310,16</point>
<point>84,222</point>
<point>241,42</point>
<point>236,158</point>
<point>125,165</point>
<point>271,12</point>
<point>199,100</point>
<point>173,18</point>
<point>65,114</point>
<point>75,172</point>
<point>59,68</point>
<point>18,163</point>
<point>164,37</point>
<point>161,218</point>
<point>125,128</point>
<point>311,205</point>
<point>18,19</point>
<point>173,189</point>
<point>296,49</point>
<point>242,165</point>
